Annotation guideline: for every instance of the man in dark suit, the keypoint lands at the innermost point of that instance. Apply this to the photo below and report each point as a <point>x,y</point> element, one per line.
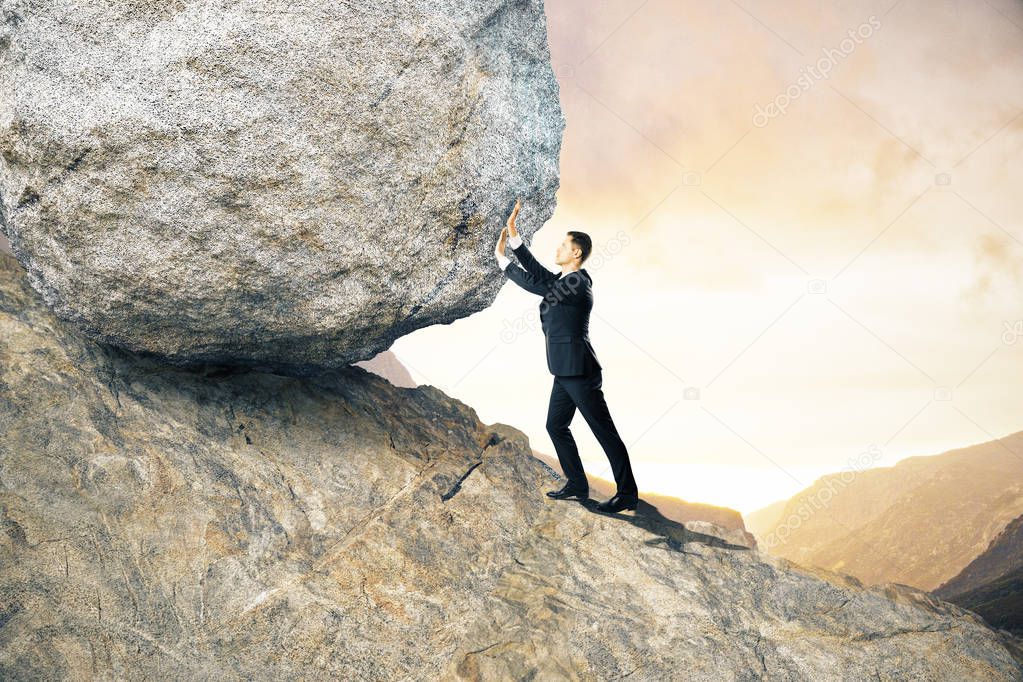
<point>565,318</point>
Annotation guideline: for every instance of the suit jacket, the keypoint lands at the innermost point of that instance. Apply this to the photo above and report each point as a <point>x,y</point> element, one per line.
<point>564,313</point>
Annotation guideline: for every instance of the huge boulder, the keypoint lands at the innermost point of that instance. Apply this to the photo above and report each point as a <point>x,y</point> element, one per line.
<point>285,186</point>
<point>159,523</point>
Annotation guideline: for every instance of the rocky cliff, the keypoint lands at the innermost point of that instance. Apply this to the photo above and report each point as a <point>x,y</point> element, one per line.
<point>162,523</point>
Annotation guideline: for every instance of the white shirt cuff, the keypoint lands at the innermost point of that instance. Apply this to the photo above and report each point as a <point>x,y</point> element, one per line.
<point>515,242</point>
<point>502,261</point>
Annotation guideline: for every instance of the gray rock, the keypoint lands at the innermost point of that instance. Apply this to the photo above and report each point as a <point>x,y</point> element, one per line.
<point>289,187</point>
<point>166,524</point>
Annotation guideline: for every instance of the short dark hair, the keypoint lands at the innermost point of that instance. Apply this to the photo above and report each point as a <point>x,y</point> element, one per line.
<point>583,241</point>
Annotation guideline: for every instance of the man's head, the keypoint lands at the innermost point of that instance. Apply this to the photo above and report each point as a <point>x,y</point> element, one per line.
<point>575,248</point>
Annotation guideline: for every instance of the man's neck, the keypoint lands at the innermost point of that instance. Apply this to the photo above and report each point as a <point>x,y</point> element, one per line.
<point>567,269</point>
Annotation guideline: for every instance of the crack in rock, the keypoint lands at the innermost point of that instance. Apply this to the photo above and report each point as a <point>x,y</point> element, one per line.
<point>458,484</point>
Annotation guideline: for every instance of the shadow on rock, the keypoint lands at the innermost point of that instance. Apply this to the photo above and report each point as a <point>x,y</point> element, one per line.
<point>671,533</point>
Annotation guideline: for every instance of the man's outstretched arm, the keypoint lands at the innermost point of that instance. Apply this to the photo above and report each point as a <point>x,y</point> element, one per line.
<point>531,264</point>
<point>526,280</point>
<point>516,274</point>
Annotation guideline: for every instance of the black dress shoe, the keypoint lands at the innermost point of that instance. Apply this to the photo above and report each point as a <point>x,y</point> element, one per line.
<point>569,490</point>
<point>618,503</point>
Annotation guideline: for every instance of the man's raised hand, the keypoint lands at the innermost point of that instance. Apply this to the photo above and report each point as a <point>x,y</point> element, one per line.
<point>499,250</point>
<point>512,231</point>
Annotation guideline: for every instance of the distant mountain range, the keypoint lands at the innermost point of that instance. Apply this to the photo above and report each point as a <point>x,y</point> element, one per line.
<point>919,522</point>
<point>992,584</point>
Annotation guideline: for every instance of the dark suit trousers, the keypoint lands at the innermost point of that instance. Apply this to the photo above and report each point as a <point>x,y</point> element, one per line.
<point>584,392</point>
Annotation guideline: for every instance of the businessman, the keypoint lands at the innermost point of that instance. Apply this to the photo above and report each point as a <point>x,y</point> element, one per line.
<point>565,318</point>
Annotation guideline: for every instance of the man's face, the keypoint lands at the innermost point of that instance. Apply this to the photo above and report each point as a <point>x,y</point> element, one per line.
<point>565,253</point>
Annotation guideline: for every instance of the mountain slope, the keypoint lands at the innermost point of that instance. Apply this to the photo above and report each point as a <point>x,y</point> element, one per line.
<point>992,584</point>
<point>999,601</point>
<point>919,522</point>
<point>165,524</point>
<point>1003,555</point>
<point>387,365</point>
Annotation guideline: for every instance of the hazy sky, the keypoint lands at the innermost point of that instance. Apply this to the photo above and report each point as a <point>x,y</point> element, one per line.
<point>837,284</point>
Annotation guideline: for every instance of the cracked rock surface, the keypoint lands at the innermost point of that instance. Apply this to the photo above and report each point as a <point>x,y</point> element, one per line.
<point>285,186</point>
<point>160,523</point>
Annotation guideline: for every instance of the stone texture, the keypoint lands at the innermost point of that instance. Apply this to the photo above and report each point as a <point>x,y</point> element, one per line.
<point>286,186</point>
<point>166,524</point>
